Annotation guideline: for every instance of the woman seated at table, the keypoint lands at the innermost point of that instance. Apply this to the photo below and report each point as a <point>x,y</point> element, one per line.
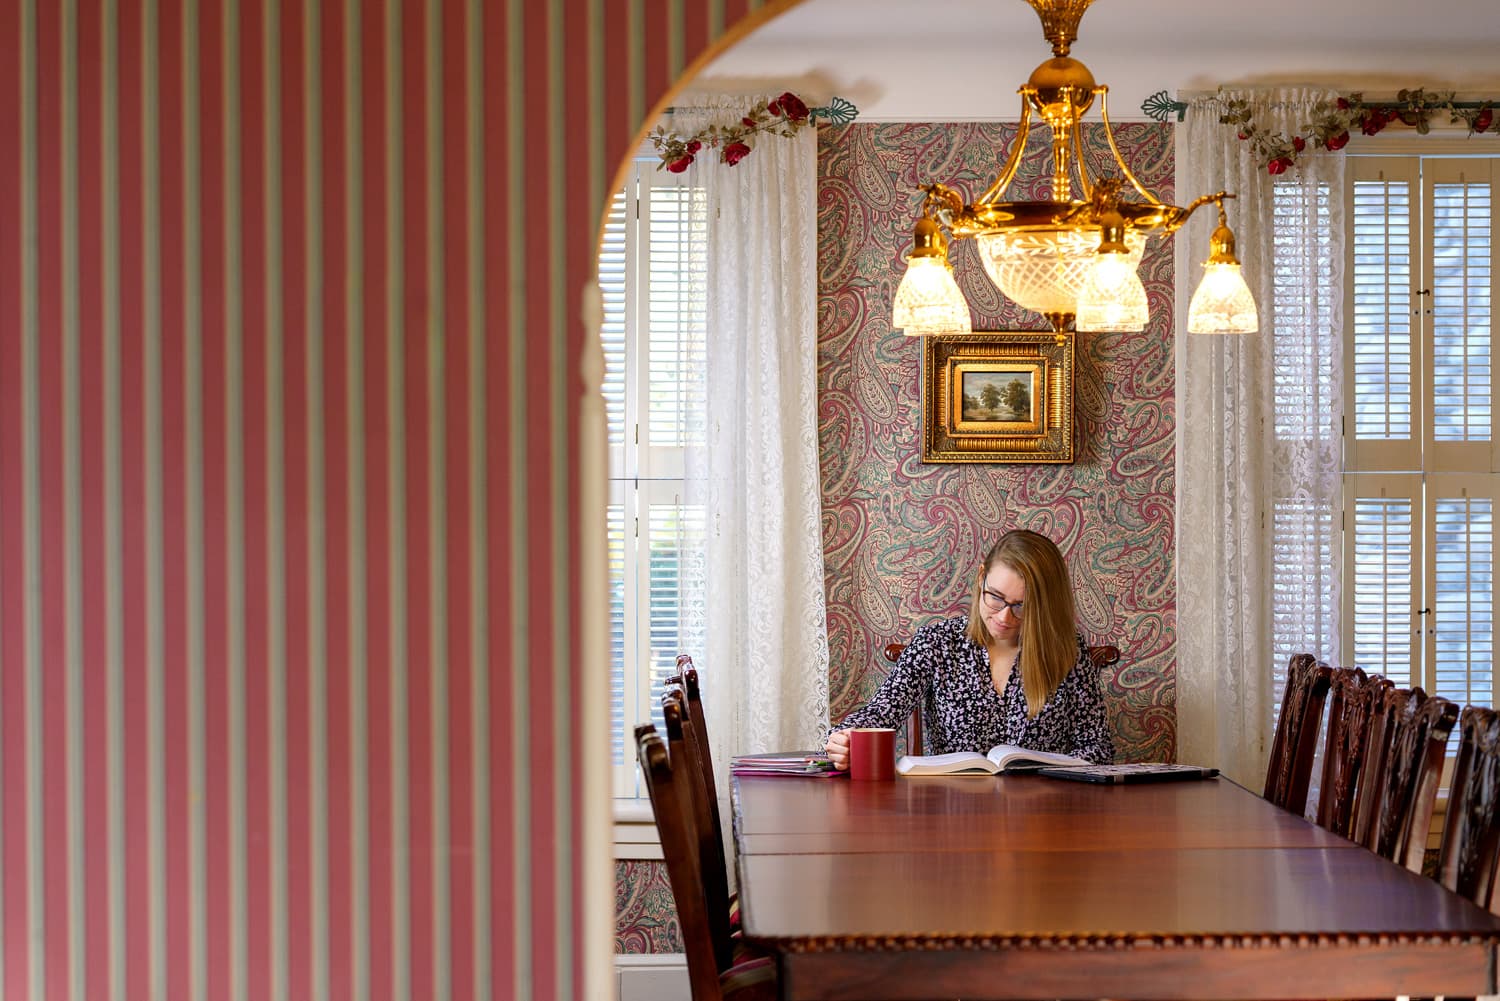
<point>1015,670</point>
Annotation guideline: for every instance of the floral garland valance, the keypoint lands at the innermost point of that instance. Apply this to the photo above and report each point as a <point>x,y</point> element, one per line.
<point>1333,121</point>
<point>780,116</point>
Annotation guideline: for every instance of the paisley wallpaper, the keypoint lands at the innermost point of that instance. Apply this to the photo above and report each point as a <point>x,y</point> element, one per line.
<point>645,918</point>
<point>900,537</point>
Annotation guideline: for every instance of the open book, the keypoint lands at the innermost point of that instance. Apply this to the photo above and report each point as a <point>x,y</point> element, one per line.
<point>1002,758</point>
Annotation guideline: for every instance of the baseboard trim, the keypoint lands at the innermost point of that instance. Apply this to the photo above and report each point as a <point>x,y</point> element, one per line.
<point>659,976</point>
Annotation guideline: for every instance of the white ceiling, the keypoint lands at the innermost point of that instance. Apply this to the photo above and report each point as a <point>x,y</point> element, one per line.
<point>957,60</point>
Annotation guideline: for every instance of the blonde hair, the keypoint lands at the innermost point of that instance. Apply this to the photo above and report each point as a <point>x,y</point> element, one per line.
<point>1049,626</point>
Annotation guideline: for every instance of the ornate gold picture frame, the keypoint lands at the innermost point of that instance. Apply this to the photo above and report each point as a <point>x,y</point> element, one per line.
<point>998,396</point>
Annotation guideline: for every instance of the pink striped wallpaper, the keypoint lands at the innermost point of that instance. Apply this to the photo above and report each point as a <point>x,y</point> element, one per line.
<point>294,489</point>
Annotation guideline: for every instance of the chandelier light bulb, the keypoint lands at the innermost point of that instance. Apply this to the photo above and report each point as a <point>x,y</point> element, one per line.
<point>1112,298</point>
<point>928,300</point>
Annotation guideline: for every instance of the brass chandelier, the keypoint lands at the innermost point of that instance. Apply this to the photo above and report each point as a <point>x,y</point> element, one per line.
<point>1073,260</point>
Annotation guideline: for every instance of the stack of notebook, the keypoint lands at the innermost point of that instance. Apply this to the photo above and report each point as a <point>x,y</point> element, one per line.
<point>805,763</point>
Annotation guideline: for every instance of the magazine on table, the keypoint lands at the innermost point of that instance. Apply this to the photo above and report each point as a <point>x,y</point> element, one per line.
<point>1129,774</point>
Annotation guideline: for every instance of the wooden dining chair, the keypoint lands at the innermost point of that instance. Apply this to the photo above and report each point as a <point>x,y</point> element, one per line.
<point>1295,744</point>
<point>682,745</point>
<point>1352,697</point>
<point>1471,831</point>
<point>668,786</point>
<point>1413,767</point>
<point>1103,656</point>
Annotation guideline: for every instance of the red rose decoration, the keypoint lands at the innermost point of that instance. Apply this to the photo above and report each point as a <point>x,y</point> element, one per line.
<point>1244,136</point>
<point>774,107</point>
<point>1278,165</point>
<point>1484,119</point>
<point>735,152</point>
<point>694,146</point>
<point>1343,104</point>
<point>1298,143</point>
<point>680,164</point>
<point>791,106</point>
<point>1338,142</point>
<point>748,122</point>
<point>1373,123</point>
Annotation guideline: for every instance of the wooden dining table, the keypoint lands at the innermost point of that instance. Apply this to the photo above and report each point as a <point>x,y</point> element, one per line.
<point>1022,886</point>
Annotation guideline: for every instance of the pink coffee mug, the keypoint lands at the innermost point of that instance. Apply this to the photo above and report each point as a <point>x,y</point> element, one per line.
<point>872,754</point>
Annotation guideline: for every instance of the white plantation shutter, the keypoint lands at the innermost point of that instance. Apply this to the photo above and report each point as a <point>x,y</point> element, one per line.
<point>1381,552</point>
<point>621,632</point>
<point>653,277</point>
<point>677,308</point>
<point>1420,485</point>
<point>1458,196</point>
<point>613,285</point>
<point>674,539</point>
<point>1383,350</point>
<point>1460,627</point>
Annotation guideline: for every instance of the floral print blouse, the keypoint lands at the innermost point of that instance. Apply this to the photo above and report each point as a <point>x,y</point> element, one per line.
<point>961,710</point>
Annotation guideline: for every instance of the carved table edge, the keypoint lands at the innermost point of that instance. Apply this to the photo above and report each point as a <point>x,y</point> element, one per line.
<point>1113,943</point>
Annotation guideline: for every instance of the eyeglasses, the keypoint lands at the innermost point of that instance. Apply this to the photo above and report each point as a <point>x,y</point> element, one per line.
<point>995,603</point>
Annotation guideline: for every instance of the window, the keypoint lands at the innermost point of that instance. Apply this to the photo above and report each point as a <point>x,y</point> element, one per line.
<point>1420,480</point>
<point>652,275</point>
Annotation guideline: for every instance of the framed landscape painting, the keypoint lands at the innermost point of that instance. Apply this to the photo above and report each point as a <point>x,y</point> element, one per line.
<point>998,396</point>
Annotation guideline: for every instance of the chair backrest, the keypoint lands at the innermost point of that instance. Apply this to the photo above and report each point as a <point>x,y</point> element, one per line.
<point>686,679</point>
<point>667,785</point>
<point>1103,656</point>
<point>1352,696</point>
<point>695,716</point>
<point>914,737</point>
<point>1384,710</point>
<point>1471,832</point>
<point>709,850</point>
<point>1289,772</point>
<point>1413,768</point>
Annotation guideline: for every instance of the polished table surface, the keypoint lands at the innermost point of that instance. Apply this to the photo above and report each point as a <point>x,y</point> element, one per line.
<point>1028,887</point>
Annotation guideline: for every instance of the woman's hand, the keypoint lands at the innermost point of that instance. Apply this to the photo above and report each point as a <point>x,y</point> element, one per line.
<point>838,749</point>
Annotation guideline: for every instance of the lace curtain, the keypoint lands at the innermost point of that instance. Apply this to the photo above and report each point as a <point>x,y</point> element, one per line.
<point>758,599</point>
<point>1258,463</point>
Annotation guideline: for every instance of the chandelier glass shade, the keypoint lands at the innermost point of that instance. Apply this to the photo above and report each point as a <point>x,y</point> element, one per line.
<point>1046,272</point>
<point>1223,303</point>
<point>1113,297</point>
<point>929,300</point>
<point>1072,258</point>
